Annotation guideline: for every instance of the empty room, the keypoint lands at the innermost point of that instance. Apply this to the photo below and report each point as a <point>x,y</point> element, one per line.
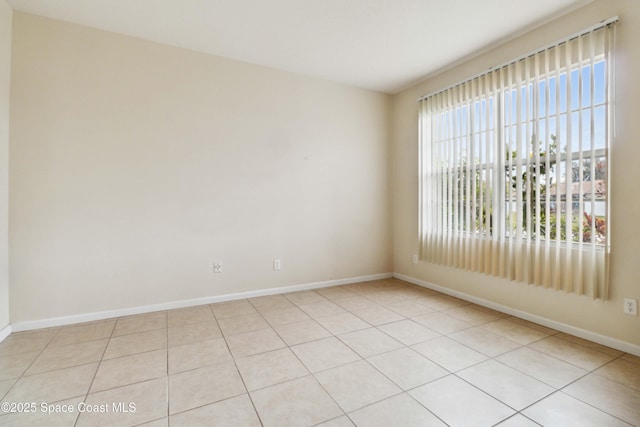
<point>331,213</point>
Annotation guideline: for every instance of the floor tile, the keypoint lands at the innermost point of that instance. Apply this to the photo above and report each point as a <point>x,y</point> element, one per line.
<point>358,288</point>
<point>506,384</point>
<point>45,418</point>
<point>631,358</point>
<point>198,355</point>
<point>356,385</point>
<point>53,385</point>
<point>5,385</point>
<point>440,302</point>
<point>335,293</point>
<point>236,411</point>
<point>514,331</point>
<point>356,303</point>
<point>535,326</point>
<point>187,316</point>
<point>223,310</point>
<point>14,365</point>
<point>300,332</point>
<point>369,342</point>
<point>410,309</point>
<point>471,315</point>
<point>485,342</point>
<point>25,342</point>
<point>136,343</point>
<point>194,332</point>
<point>311,406</point>
<point>542,367</point>
<point>203,386</point>
<point>129,405</point>
<point>342,421</point>
<point>270,303</point>
<point>378,315</point>
<point>304,297</point>
<point>162,422</point>
<point>590,344</point>
<point>571,352</point>
<point>608,396</point>
<point>491,311</point>
<point>130,369</point>
<point>254,342</point>
<point>83,333</point>
<point>442,323</point>
<point>323,308</point>
<point>400,411</point>
<point>342,323</point>
<point>518,420</point>
<point>449,354</point>
<point>241,324</point>
<point>560,410</point>
<point>324,354</point>
<point>385,298</point>
<point>459,404</point>
<point>273,367</point>
<point>282,316</point>
<point>413,291</point>
<point>407,368</point>
<point>621,371</point>
<point>408,332</point>
<point>140,323</point>
<point>66,356</point>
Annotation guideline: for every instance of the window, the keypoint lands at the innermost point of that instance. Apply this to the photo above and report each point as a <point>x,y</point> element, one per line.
<point>514,168</point>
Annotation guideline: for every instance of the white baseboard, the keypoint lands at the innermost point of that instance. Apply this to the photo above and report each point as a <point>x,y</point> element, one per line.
<point>5,332</point>
<point>101,315</point>
<point>627,347</point>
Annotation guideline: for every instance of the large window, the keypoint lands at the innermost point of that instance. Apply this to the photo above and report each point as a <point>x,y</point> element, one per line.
<point>514,168</point>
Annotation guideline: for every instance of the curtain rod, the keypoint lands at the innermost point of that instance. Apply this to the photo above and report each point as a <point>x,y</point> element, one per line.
<point>584,31</point>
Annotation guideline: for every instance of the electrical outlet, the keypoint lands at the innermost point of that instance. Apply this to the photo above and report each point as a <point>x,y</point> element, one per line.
<point>276,265</point>
<point>217,267</point>
<point>630,306</point>
<point>415,259</point>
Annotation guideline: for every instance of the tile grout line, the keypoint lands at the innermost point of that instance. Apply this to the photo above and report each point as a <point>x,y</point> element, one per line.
<point>22,375</point>
<point>312,374</point>
<point>253,405</point>
<point>167,387</point>
<point>96,372</point>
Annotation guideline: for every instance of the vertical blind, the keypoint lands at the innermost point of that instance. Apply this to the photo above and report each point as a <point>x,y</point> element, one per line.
<point>514,168</point>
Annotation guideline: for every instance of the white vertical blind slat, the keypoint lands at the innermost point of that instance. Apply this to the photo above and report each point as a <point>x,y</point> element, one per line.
<point>559,191</point>
<point>537,199</point>
<point>468,181</point>
<point>591,280</point>
<point>568,279</point>
<point>528,153</point>
<point>546,282</point>
<point>519,184</point>
<point>579,278</point>
<point>488,256</point>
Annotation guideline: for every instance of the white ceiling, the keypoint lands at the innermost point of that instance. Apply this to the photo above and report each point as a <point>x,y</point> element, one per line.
<point>383,45</point>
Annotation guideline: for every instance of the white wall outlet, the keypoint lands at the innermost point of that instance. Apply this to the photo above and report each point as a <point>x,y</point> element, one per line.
<point>217,266</point>
<point>414,259</point>
<point>276,265</point>
<point>630,306</point>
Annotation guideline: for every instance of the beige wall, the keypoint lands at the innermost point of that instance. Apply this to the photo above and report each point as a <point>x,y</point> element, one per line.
<point>596,316</point>
<point>135,165</point>
<point>6,15</point>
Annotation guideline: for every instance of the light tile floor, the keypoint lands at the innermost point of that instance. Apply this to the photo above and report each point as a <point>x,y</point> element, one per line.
<point>382,353</point>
